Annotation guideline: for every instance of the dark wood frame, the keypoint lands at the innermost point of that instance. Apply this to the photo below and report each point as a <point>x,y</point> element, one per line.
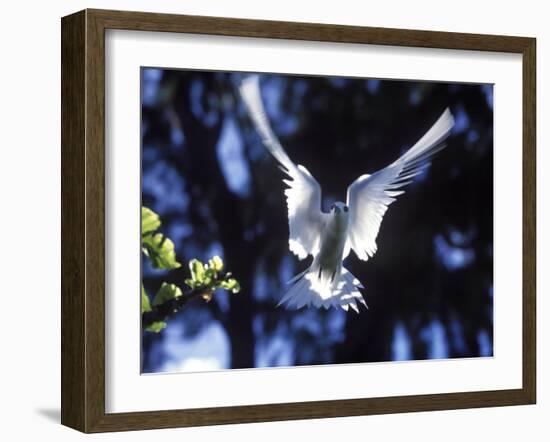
<point>83,217</point>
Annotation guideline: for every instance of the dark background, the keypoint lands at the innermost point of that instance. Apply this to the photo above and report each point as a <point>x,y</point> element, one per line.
<point>218,191</point>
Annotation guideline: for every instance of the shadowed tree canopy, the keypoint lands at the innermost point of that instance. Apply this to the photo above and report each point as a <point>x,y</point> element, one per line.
<point>219,192</point>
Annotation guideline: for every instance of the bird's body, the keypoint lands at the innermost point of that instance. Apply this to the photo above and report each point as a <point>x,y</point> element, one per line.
<point>333,240</point>
<point>354,225</point>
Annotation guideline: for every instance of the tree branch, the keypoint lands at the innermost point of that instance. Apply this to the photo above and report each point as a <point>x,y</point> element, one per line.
<point>161,312</point>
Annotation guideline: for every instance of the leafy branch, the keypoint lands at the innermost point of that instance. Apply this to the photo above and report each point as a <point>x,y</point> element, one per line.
<point>204,281</point>
<point>157,247</point>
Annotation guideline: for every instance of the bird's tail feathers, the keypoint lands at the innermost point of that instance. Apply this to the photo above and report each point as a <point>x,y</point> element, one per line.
<point>313,288</point>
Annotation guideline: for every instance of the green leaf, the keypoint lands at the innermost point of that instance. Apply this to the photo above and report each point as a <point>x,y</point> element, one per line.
<point>191,283</point>
<point>166,293</point>
<point>209,276</point>
<point>160,250</point>
<point>235,286</point>
<point>216,264</point>
<point>150,221</point>
<point>231,284</point>
<point>156,327</point>
<point>145,305</point>
<point>197,270</point>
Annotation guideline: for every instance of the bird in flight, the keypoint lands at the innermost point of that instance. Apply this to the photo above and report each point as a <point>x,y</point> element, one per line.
<point>353,225</point>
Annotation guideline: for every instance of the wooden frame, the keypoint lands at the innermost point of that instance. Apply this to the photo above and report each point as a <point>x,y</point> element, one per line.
<point>83,217</point>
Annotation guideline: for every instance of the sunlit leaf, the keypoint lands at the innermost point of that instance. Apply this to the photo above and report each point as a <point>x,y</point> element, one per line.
<point>216,264</point>
<point>145,305</point>
<point>231,284</point>
<point>236,288</point>
<point>209,275</point>
<point>197,270</point>
<point>160,250</point>
<point>156,327</point>
<point>166,293</point>
<point>150,221</point>
<point>192,284</point>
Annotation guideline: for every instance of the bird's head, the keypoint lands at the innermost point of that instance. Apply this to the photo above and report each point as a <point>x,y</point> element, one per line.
<point>339,209</point>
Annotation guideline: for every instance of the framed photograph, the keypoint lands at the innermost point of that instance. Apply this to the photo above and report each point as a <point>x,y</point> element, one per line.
<point>267,220</point>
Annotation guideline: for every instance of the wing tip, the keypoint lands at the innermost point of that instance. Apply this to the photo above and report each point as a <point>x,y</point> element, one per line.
<point>448,118</point>
<point>252,80</point>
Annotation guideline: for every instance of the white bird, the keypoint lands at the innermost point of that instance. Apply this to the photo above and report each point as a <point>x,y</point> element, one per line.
<point>328,237</point>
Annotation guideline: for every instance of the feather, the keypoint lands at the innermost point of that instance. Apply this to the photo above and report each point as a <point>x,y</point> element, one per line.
<point>307,290</point>
<point>369,196</point>
<point>303,195</point>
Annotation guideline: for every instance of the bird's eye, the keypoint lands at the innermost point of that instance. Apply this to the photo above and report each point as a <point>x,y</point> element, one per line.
<point>346,208</point>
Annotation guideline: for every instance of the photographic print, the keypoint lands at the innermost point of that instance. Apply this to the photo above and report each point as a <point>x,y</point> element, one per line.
<point>315,204</point>
<point>292,220</point>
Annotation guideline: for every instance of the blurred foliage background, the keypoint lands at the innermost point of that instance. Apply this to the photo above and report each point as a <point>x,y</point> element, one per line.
<point>219,192</point>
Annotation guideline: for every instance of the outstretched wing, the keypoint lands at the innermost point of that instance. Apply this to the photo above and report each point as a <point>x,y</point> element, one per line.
<point>303,195</point>
<point>370,195</point>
